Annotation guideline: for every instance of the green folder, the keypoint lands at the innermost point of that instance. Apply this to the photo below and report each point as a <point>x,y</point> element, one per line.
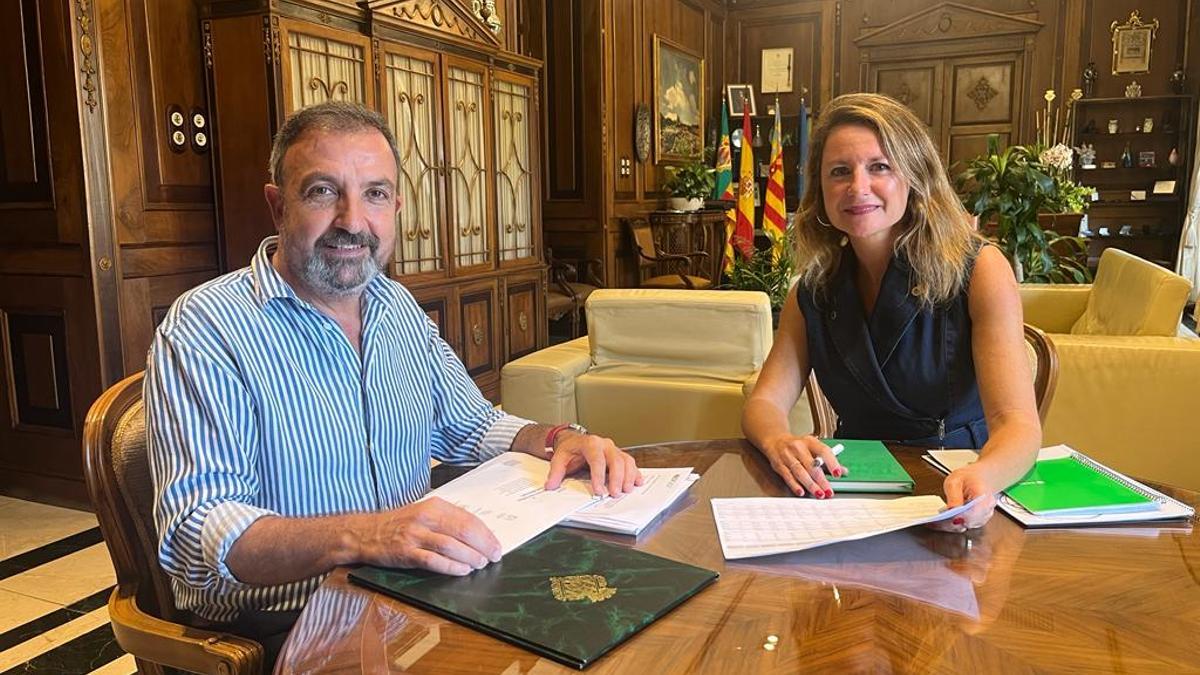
<point>562,595</point>
<point>872,468</point>
<point>1073,486</point>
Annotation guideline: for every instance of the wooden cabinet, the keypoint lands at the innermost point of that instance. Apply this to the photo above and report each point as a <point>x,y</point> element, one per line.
<point>464,113</point>
<point>1141,206</point>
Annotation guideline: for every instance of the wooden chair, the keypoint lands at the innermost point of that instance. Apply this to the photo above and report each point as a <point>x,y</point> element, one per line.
<point>141,608</point>
<point>684,265</point>
<point>566,292</point>
<point>1043,362</point>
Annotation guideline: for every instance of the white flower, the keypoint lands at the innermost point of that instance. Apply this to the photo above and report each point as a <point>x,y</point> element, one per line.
<point>1058,157</point>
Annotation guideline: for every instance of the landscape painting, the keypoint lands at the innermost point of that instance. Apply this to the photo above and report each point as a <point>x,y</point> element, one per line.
<point>678,103</point>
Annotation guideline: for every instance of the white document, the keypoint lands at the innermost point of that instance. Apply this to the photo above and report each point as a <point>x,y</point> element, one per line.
<point>631,513</point>
<point>506,493</point>
<point>1168,508</point>
<point>768,525</point>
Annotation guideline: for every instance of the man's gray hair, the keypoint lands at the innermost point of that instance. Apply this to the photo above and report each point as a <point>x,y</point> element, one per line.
<point>338,116</point>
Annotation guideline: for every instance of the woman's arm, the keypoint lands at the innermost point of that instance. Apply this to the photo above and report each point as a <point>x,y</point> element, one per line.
<point>1005,387</point>
<point>765,415</point>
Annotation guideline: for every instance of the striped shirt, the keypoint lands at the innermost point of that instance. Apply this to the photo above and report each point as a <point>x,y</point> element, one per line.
<point>257,404</point>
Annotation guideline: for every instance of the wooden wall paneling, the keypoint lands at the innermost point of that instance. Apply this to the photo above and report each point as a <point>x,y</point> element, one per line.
<point>25,178</point>
<point>525,316</point>
<point>165,260</point>
<point>480,325</point>
<point>243,86</point>
<point>984,97</point>
<point>808,28</point>
<point>144,304</point>
<point>683,22</point>
<point>629,89</point>
<point>1167,49</point>
<point>440,303</point>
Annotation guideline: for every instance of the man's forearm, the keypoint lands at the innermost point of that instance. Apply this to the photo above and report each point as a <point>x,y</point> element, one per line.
<point>531,439</point>
<point>276,550</point>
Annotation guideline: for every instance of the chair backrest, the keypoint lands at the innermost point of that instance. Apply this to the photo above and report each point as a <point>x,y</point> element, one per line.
<point>643,242</point>
<point>1043,363</point>
<point>1132,296</point>
<point>118,480</point>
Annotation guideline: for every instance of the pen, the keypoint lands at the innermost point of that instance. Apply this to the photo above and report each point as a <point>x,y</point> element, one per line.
<point>836,450</point>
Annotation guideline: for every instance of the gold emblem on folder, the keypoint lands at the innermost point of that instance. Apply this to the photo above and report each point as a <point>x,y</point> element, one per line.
<point>577,587</point>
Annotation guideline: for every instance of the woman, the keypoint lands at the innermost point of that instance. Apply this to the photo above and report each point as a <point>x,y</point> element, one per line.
<point>911,322</point>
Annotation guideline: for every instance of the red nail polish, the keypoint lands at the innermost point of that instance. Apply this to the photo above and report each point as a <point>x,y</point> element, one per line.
<point>958,521</point>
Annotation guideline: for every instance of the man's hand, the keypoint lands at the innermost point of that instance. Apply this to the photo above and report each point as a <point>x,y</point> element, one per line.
<point>614,471</point>
<point>430,534</point>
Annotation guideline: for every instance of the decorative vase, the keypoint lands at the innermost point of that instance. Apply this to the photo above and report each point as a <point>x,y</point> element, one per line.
<point>685,204</point>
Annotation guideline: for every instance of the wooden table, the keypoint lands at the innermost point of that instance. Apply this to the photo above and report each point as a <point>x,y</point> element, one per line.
<point>1002,599</point>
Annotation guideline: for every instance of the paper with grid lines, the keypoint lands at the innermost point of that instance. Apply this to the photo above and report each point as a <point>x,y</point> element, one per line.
<point>755,526</point>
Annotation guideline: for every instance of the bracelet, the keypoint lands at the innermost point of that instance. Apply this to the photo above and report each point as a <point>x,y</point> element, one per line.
<point>556,430</point>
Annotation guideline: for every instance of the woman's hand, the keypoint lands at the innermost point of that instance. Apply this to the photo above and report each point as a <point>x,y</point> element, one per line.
<point>793,458</point>
<point>961,486</point>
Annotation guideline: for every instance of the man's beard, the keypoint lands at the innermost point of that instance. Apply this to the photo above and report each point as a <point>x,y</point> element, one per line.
<point>338,277</point>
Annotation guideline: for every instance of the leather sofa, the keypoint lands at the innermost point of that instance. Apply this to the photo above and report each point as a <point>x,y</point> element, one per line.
<point>656,365</point>
<point>1128,388</point>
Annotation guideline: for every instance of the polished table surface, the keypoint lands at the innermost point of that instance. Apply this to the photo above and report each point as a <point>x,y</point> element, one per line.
<point>1002,599</point>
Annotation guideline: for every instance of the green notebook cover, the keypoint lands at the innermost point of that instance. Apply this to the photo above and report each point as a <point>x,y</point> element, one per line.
<point>562,595</point>
<point>872,468</point>
<point>1070,485</point>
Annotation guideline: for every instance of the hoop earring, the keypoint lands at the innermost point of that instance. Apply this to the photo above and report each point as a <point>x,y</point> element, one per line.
<point>823,223</point>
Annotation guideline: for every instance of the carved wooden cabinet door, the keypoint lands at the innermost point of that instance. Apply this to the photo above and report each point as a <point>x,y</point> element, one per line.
<point>321,64</point>
<point>468,175</point>
<point>479,323</point>
<point>524,314</point>
<point>411,101</point>
<point>514,118</point>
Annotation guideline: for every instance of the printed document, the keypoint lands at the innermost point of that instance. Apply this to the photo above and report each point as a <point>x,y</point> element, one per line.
<point>631,513</point>
<point>758,526</point>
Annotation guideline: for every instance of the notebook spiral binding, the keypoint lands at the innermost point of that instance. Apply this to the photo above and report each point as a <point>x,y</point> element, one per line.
<point>1143,490</point>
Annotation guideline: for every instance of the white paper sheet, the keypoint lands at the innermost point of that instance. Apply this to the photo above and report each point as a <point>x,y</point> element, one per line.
<point>768,525</point>
<point>631,513</point>
<point>506,493</point>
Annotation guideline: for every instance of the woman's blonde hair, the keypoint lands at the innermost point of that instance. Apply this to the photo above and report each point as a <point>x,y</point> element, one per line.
<point>938,235</point>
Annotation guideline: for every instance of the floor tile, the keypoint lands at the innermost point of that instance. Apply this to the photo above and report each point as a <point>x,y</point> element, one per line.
<point>66,579</point>
<point>87,649</point>
<point>17,609</point>
<point>126,665</point>
<point>25,526</point>
<point>30,629</point>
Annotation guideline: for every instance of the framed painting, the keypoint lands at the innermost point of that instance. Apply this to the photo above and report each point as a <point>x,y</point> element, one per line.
<point>678,103</point>
<point>1131,44</point>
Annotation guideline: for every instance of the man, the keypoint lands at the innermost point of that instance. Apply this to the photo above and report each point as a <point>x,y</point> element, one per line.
<point>293,406</point>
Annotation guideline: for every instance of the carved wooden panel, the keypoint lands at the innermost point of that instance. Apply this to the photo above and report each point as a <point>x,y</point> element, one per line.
<point>478,325</point>
<point>967,146</point>
<point>515,122</point>
<point>439,304</point>
<point>322,64</point>
<point>567,81</point>
<point>917,85</point>
<point>411,103</point>
<point>38,375</point>
<point>144,304</point>
<point>524,317</point>
<point>485,25</point>
<point>982,93</point>
<point>467,150</point>
<point>25,176</point>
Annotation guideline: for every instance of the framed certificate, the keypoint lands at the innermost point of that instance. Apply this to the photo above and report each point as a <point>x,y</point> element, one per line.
<point>777,70</point>
<point>1131,44</point>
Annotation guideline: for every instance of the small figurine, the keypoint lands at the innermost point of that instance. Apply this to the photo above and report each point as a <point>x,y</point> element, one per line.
<point>1177,79</point>
<point>1148,125</point>
<point>1090,127</point>
<point>1127,157</point>
<point>1087,156</point>
<point>1134,90</point>
<point>1090,74</point>
<point>1173,158</point>
<point>1113,126</point>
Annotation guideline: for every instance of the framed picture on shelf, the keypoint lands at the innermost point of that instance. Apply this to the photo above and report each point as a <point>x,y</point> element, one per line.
<point>678,103</point>
<point>1164,187</point>
<point>1146,159</point>
<point>1131,44</point>
<point>739,95</point>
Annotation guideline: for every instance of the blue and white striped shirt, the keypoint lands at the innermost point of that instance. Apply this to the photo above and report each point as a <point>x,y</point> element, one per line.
<point>257,404</point>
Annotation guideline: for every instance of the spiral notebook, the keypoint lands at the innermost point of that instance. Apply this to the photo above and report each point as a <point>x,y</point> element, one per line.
<point>1066,487</point>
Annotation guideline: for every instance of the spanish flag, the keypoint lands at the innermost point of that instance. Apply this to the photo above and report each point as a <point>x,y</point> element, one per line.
<point>743,231</point>
<point>724,186</point>
<point>774,209</point>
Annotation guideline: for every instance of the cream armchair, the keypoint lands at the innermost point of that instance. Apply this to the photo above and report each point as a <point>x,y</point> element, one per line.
<point>656,365</point>
<point>1126,385</point>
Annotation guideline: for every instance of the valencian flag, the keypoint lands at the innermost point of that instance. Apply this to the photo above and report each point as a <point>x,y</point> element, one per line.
<point>743,231</point>
<point>802,143</point>
<point>724,188</point>
<point>774,210</point>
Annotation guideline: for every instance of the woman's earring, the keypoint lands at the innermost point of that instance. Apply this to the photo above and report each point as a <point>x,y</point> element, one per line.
<point>823,223</point>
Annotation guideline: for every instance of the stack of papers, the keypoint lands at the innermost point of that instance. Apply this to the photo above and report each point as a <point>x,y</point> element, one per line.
<point>757,526</point>
<point>631,513</point>
<point>1049,497</point>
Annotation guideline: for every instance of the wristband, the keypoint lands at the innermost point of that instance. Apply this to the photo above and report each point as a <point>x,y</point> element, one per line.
<point>556,430</point>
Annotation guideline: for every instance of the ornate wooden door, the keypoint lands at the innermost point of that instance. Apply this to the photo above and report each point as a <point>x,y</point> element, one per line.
<point>514,119</point>
<point>468,172</point>
<point>321,64</point>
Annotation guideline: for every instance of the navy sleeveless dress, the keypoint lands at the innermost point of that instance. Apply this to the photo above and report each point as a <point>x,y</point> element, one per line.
<point>904,374</point>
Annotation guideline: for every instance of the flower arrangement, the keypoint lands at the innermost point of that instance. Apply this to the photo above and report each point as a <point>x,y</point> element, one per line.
<point>770,270</point>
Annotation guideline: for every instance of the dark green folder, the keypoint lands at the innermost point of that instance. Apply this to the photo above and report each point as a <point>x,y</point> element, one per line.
<point>872,468</point>
<point>1072,486</point>
<point>562,595</point>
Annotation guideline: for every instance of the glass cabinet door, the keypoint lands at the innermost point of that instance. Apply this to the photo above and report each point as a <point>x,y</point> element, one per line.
<point>411,100</point>
<point>321,64</point>
<point>467,177</point>
<point>513,119</point>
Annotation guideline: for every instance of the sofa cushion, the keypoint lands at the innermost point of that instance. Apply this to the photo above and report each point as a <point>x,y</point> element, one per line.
<point>1132,296</point>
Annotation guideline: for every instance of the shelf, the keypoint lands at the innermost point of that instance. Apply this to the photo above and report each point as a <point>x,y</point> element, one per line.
<point>1128,237</point>
<point>1130,202</point>
<point>1133,99</point>
<point>1141,134</point>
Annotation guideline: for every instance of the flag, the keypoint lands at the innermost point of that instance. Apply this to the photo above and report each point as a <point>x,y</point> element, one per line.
<point>743,231</point>
<point>802,146</point>
<point>774,205</point>
<point>724,187</point>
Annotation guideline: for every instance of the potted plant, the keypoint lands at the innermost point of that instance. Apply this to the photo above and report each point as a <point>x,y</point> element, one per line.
<point>689,185</point>
<point>1011,187</point>
<point>770,270</point>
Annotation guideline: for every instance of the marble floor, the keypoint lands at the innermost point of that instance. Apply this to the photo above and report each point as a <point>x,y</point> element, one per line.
<point>55,579</point>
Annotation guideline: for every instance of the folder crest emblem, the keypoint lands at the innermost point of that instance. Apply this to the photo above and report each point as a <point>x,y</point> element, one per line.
<point>578,587</point>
